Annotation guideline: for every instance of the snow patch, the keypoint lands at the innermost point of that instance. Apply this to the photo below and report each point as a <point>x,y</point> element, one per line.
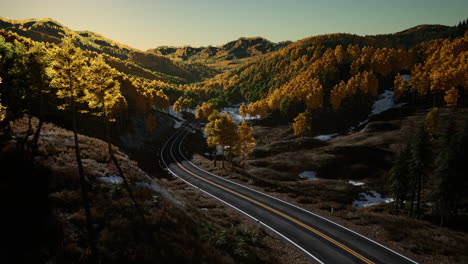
<point>177,124</point>
<point>146,185</point>
<point>383,103</point>
<point>110,179</point>
<point>355,183</point>
<point>234,112</point>
<point>309,175</point>
<point>406,77</point>
<point>326,137</point>
<point>369,198</point>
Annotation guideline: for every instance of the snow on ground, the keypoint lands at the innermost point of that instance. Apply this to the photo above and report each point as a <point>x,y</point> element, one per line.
<point>146,185</point>
<point>110,179</point>
<point>326,137</point>
<point>383,103</point>
<point>174,114</point>
<point>234,112</point>
<point>355,183</point>
<point>370,198</point>
<point>406,77</point>
<point>308,175</point>
<point>177,124</point>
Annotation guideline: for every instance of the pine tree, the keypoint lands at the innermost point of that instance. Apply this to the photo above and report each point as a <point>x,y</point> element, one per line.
<point>446,175</point>
<point>421,159</point>
<point>67,70</point>
<point>399,177</point>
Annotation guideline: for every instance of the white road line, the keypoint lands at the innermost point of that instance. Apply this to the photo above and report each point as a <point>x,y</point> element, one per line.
<point>354,232</point>
<point>255,219</point>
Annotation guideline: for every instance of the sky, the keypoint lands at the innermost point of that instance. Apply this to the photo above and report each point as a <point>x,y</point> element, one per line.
<point>146,24</point>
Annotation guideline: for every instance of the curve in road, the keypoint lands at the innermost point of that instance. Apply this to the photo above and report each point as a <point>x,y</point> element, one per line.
<point>321,239</point>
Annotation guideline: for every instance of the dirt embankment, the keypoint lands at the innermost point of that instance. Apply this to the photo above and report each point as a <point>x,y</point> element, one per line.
<point>362,158</point>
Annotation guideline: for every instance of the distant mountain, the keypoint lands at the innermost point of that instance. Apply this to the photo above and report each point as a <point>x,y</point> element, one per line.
<point>222,57</point>
<point>48,30</point>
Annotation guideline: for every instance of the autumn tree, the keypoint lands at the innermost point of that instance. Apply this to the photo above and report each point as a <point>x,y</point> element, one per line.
<point>204,111</point>
<point>246,142</point>
<point>67,70</point>
<point>222,132</point>
<point>301,123</point>
<point>400,86</point>
<point>243,110</point>
<point>181,104</point>
<point>451,97</point>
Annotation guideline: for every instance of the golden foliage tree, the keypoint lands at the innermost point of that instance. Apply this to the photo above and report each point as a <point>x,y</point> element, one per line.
<point>67,70</point>
<point>243,110</point>
<point>222,132</point>
<point>181,104</point>
<point>451,97</point>
<point>246,142</point>
<point>204,111</point>
<point>301,123</point>
<point>400,86</point>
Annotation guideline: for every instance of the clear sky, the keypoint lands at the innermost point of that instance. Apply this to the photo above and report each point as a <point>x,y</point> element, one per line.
<point>147,24</point>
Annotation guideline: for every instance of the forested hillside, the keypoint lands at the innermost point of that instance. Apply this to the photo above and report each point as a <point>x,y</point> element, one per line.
<point>50,31</point>
<point>336,74</point>
<point>223,57</point>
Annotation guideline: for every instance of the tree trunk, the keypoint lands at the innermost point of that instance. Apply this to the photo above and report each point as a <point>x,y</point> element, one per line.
<point>84,190</point>
<point>39,126</point>
<point>119,169</point>
<point>418,199</point>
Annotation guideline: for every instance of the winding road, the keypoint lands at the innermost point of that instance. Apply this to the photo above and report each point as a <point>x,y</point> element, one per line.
<point>322,240</point>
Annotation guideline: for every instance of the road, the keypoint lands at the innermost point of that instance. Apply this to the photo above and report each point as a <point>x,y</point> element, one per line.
<point>322,240</point>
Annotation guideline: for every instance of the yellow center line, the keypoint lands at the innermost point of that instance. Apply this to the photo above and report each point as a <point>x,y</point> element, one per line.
<point>275,211</point>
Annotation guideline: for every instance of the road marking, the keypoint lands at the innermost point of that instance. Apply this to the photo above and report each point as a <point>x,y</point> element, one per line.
<point>298,207</point>
<point>273,210</point>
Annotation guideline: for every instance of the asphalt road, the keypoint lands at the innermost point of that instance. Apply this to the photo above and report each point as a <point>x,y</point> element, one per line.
<point>322,240</point>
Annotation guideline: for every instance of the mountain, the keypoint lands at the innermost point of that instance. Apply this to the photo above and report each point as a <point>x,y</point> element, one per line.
<point>227,56</point>
<point>48,30</point>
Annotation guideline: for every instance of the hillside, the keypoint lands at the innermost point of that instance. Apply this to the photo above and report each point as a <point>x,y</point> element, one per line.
<point>50,31</point>
<point>223,57</point>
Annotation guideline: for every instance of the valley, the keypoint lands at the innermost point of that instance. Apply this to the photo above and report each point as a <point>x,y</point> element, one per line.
<point>335,148</point>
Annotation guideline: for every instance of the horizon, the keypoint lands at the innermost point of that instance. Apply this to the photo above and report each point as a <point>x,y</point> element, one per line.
<point>174,24</point>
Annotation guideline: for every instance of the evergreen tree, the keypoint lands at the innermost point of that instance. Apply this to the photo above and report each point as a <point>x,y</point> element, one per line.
<point>421,158</point>
<point>399,177</point>
<point>67,70</point>
<point>446,175</point>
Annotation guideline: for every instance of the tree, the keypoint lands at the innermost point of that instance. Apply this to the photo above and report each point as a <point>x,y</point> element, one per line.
<point>204,111</point>
<point>67,70</point>
<point>399,177</point>
<point>421,159</point>
<point>243,110</point>
<point>400,86</point>
<point>181,104</point>
<point>222,132</point>
<point>38,61</point>
<point>431,123</point>
<point>246,140</point>
<point>451,97</point>
<point>446,178</point>
<point>301,123</point>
